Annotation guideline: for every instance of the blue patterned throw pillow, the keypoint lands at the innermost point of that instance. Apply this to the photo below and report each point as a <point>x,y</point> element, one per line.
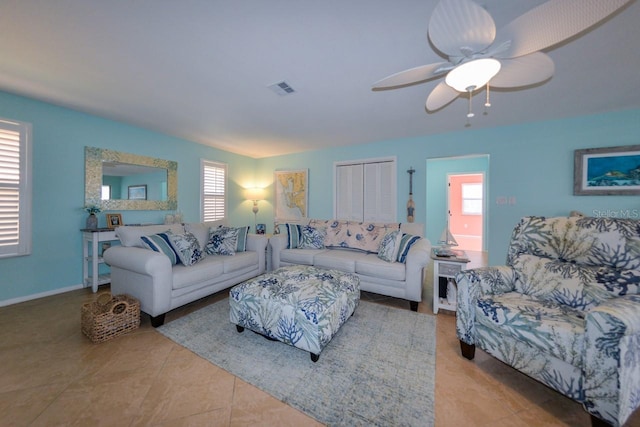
<point>160,243</point>
<point>406,242</point>
<point>187,247</point>
<point>241,241</point>
<point>311,237</point>
<point>222,241</point>
<point>293,235</point>
<point>390,246</point>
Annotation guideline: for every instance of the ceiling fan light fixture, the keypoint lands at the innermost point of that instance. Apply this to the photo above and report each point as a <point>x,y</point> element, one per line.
<point>472,75</point>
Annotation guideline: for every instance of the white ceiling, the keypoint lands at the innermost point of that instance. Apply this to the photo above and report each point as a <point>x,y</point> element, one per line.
<point>199,69</point>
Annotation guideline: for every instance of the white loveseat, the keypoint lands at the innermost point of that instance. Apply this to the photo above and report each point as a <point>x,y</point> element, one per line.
<point>352,247</point>
<point>160,286</point>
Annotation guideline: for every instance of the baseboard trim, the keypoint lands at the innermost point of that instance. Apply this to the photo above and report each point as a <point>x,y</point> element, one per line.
<point>26,298</point>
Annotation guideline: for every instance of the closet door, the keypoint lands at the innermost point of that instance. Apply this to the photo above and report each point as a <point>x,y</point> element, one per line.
<point>379,192</point>
<point>349,192</point>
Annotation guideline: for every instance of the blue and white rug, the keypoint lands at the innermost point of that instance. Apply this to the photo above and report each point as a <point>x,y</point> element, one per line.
<point>378,370</point>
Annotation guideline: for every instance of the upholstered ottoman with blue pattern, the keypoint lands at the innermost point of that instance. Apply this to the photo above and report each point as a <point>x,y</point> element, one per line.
<point>302,306</point>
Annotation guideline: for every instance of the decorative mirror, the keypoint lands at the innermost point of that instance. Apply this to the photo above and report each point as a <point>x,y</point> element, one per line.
<point>123,181</point>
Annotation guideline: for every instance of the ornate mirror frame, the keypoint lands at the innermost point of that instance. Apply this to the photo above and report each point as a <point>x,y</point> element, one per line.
<point>94,158</point>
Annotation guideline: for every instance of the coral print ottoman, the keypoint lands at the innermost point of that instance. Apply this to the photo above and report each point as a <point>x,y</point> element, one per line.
<point>302,306</point>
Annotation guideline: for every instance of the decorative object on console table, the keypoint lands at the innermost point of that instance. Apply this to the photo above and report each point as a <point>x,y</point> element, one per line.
<point>114,220</point>
<point>607,171</point>
<point>261,228</point>
<point>446,241</point>
<point>445,269</point>
<point>92,219</point>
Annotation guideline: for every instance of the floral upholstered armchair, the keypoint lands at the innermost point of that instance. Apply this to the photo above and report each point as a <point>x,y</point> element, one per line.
<point>565,310</point>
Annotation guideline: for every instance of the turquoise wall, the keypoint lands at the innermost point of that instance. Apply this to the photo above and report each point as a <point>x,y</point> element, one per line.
<point>532,163</point>
<point>59,138</point>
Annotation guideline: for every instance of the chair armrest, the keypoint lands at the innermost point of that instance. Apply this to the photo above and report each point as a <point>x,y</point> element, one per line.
<point>277,242</point>
<point>473,284</point>
<point>258,243</point>
<point>611,359</point>
<point>417,260</point>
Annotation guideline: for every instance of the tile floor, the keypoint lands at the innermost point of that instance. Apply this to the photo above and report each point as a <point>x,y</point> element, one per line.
<point>51,375</point>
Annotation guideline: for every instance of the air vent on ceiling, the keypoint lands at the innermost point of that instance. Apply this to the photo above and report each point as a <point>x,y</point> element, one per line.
<point>282,88</point>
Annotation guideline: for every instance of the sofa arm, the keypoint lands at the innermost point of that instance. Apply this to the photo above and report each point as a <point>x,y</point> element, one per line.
<point>138,260</point>
<point>277,242</point>
<point>417,260</point>
<point>258,243</point>
<point>475,283</point>
<point>144,274</point>
<point>611,359</point>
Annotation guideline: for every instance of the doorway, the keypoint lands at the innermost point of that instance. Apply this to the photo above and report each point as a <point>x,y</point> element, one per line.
<point>465,204</point>
<point>438,170</point>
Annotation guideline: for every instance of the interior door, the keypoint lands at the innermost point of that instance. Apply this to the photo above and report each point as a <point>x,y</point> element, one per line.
<point>466,207</point>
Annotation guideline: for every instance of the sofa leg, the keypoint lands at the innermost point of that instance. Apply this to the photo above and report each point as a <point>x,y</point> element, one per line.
<point>314,357</point>
<point>413,305</point>
<point>239,328</point>
<point>157,320</point>
<point>597,422</point>
<point>468,350</point>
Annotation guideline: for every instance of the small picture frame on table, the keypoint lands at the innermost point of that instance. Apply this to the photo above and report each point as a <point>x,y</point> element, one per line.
<point>114,220</point>
<point>261,228</point>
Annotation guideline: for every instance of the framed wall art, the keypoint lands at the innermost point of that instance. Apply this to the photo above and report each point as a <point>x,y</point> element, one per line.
<point>291,195</point>
<point>138,192</point>
<point>607,171</point>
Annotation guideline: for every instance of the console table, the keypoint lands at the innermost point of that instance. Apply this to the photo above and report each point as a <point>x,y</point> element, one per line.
<point>446,268</point>
<point>91,253</point>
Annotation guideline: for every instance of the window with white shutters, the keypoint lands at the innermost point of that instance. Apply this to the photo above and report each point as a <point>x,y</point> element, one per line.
<point>214,190</point>
<point>366,190</point>
<point>15,188</point>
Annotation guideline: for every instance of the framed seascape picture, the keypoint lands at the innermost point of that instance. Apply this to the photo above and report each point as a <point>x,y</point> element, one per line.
<point>291,195</point>
<point>114,220</point>
<point>607,171</point>
<point>138,192</point>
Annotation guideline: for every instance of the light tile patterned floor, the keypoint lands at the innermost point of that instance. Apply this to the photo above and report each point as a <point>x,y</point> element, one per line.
<point>50,374</point>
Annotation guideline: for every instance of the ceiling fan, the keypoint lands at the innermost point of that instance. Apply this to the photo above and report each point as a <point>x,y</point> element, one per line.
<point>479,56</point>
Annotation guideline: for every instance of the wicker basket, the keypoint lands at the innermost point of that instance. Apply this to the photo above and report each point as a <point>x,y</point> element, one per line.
<point>110,316</point>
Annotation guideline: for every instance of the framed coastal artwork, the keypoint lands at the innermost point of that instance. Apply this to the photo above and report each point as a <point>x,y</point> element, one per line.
<point>291,195</point>
<point>607,171</point>
<point>137,192</point>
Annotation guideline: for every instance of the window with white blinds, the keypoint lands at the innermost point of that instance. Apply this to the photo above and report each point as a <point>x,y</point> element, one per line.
<point>214,190</point>
<point>15,188</point>
<point>366,190</point>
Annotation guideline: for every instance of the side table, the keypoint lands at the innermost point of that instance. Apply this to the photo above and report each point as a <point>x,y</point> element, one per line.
<point>91,254</point>
<point>446,268</point>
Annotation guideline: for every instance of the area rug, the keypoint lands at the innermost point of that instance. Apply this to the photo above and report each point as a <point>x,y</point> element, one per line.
<point>379,369</point>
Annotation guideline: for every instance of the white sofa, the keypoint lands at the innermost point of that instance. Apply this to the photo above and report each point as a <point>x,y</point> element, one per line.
<point>395,279</point>
<point>160,286</point>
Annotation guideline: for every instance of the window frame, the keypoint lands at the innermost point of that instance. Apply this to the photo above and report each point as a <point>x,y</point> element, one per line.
<point>23,243</point>
<point>464,207</point>
<point>204,164</point>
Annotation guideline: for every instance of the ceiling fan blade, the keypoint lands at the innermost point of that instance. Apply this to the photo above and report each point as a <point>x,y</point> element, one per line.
<point>460,24</point>
<point>440,96</point>
<point>413,75</point>
<point>524,70</point>
<point>551,23</point>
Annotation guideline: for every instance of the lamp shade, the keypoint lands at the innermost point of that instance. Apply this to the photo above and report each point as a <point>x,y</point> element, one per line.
<point>473,75</point>
<point>254,194</point>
